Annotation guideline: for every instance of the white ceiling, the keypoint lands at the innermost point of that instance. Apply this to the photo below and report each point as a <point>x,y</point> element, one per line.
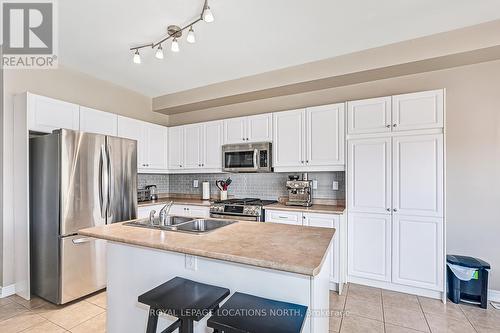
<point>248,37</point>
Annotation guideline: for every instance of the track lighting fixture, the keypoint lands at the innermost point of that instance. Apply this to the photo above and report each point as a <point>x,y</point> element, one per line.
<point>175,46</point>
<point>191,38</point>
<point>137,57</point>
<point>159,52</point>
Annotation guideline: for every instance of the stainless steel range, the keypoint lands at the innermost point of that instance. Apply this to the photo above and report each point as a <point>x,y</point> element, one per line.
<point>248,209</point>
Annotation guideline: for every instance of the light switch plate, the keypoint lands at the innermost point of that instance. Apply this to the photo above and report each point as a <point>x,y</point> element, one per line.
<point>315,184</point>
<point>335,185</point>
<point>195,183</point>
<point>191,262</point>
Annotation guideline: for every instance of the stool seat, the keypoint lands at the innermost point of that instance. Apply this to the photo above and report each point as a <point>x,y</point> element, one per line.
<point>185,299</point>
<point>252,314</point>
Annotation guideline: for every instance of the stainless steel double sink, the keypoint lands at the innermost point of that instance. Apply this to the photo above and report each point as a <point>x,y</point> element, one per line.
<point>181,224</point>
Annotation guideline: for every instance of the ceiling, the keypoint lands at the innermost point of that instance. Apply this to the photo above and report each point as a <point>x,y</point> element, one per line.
<point>247,37</point>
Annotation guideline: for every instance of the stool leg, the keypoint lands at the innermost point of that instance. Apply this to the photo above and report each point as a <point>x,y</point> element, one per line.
<point>152,321</point>
<point>186,326</point>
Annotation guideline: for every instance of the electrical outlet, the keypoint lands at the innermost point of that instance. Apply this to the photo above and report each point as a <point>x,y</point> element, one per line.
<point>195,183</point>
<point>315,184</point>
<point>335,185</point>
<point>191,262</point>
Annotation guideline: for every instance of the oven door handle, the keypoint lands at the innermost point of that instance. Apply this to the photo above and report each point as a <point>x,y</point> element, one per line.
<point>255,161</point>
<point>235,217</point>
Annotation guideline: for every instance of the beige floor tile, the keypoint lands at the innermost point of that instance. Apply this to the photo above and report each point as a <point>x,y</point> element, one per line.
<point>482,329</point>
<point>354,324</point>
<point>73,315</point>
<point>5,301</point>
<point>34,302</point>
<point>436,307</point>
<point>336,302</point>
<point>398,329</point>
<point>94,325</point>
<point>439,324</point>
<point>46,327</point>
<point>20,322</point>
<point>10,310</point>
<point>98,299</point>
<point>489,318</point>
<point>365,292</point>
<point>335,321</point>
<point>364,308</point>
<point>405,318</point>
<point>395,299</point>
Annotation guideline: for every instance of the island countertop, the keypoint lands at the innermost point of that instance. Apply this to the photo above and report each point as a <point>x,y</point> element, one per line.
<point>282,247</point>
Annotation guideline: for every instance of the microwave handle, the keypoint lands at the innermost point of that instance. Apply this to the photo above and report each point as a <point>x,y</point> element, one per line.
<point>255,156</point>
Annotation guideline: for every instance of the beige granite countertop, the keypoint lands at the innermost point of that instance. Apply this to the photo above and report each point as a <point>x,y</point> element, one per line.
<point>322,209</point>
<point>283,247</point>
<point>176,200</point>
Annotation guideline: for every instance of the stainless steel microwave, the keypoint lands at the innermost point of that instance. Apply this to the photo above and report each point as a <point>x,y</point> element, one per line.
<point>247,157</point>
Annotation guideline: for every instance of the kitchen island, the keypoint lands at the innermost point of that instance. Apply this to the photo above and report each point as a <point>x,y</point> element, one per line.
<point>282,262</point>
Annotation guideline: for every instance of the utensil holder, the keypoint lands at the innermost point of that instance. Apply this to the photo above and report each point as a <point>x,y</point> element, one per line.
<point>223,195</point>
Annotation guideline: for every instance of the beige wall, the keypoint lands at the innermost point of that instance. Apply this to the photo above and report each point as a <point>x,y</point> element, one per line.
<point>472,147</point>
<point>67,85</point>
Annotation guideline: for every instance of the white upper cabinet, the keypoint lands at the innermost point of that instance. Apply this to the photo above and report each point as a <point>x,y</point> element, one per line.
<point>99,122</point>
<point>248,129</point>
<point>309,139</point>
<point>418,110</point>
<point>260,128</point>
<point>325,135</point>
<point>288,141</point>
<point>415,111</point>
<point>369,116</point>
<point>47,114</point>
<point>192,146</point>
<point>418,253</point>
<point>176,148</point>
<point>212,142</point>
<point>369,175</point>
<point>418,175</point>
<point>369,246</point>
<point>151,143</point>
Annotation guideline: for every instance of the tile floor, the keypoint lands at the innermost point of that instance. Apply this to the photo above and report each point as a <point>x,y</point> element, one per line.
<point>360,310</point>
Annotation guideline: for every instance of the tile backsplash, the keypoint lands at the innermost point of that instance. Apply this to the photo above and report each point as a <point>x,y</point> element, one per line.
<point>259,185</point>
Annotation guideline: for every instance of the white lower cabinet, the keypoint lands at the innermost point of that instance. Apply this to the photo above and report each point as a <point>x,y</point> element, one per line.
<point>418,251</point>
<point>322,221</point>
<point>369,246</point>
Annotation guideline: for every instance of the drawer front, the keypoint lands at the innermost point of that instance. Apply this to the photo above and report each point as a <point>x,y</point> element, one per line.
<point>278,216</point>
<point>143,212</point>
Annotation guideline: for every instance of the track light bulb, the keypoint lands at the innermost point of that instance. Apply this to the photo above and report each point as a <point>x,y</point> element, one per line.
<point>159,52</point>
<point>175,45</point>
<point>191,38</point>
<point>137,57</point>
<point>207,14</point>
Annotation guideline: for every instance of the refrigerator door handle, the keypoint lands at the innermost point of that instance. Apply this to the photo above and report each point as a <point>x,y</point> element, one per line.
<point>104,184</point>
<point>101,181</point>
<point>108,172</point>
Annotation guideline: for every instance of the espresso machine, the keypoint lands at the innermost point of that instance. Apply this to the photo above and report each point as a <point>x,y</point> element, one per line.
<point>299,191</point>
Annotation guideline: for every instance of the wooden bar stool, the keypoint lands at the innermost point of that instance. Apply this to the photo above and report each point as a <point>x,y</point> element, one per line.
<point>187,300</point>
<point>243,313</point>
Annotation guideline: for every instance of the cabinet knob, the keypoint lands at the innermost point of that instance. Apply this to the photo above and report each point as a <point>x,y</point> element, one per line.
<point>387,126</point>
<point>388,209</point>
<point>202,164</point>
<point>395,210</point>
<point>247,139</point>
<point>394,125</point>
<point>307,162</point>
<point>302,162</point>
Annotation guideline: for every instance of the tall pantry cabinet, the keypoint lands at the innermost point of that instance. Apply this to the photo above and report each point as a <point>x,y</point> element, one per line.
<point>395,201</point>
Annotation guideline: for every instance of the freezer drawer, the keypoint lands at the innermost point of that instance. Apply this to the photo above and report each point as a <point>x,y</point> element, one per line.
<point>83,266</point>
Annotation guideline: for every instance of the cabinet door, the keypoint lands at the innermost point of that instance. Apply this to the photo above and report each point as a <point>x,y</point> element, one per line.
<point>328,221</point>
<point>418,175</point>
<point>235,130</point>
<point>212,152</point>
<point>418,110</point>
<point>325,135</point>
<point>157,139</point>
<point>143,212</point>
<point>289,139</point>
<point>369,116</point>
<point>47,114</point>
<point>260,128</point>
<point>198,211</point>
<point>369,243</point>
<point>369,175</point>
<point>178,210</point>
<point>99,122</point>
<point>286,217</point>
<point>135,130</point>
<point>418,251</point>
<point>175,148</point>
<point>192,146</point>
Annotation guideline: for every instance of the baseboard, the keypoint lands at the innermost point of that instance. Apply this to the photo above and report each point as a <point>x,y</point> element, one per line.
<point>494,295</point>
<point>7,290</point>
<point>396,287</point>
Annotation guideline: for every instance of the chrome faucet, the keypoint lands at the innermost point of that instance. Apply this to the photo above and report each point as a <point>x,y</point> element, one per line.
<point>164,212</point>
<point>152,216</point>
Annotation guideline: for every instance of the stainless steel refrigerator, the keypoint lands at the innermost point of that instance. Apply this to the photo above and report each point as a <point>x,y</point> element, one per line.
<point>77,180</point>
